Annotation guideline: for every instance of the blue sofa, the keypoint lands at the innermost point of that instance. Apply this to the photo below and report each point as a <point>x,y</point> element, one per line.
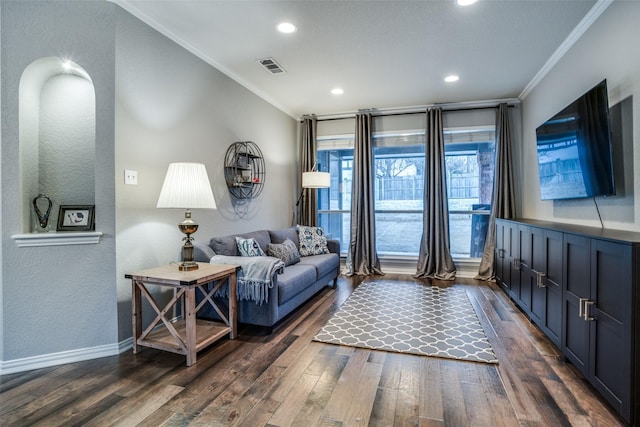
<point>290,288</point>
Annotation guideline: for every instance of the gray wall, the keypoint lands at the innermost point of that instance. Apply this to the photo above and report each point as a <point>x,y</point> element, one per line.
<point>608,49</point>
<point>1,139</point>
<point>57,299</point>
<point>67,129</point>
<point>155,104</point>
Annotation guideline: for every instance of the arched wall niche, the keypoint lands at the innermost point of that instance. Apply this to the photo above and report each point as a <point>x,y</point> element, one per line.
<point>57,115</point>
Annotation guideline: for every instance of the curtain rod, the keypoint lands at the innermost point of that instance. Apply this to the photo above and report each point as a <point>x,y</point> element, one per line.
<point>450,107</point>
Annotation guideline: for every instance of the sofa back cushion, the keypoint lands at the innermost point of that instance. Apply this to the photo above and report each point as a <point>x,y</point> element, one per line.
<point>287,251</point>
<point>312,240</point>
<point>279,236</point>
<point>248,247</point>
<point>226,245</point>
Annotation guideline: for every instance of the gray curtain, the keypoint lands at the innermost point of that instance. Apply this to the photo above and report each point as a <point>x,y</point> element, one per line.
<point>434,259</point>
<point>503,200</point>
<point>362,258</point>
<point>308,207</point>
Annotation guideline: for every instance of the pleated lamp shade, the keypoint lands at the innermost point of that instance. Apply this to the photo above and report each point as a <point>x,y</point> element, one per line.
<point>186,186</point>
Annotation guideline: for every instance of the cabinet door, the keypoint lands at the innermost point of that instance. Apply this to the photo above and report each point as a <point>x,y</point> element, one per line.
<point>514,256</point>
<point>610,365</point>
<point>553,286</point>
<point>501,255</point>
<point>536,274</point>
<point>524,297</point>
<point>577,286</point>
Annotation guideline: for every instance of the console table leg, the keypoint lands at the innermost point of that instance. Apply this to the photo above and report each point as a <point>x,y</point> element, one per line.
<point>136,310</point>
<point>190,319</point>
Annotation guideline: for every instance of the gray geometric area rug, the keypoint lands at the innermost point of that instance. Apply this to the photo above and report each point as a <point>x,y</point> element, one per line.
<point>411,318</point>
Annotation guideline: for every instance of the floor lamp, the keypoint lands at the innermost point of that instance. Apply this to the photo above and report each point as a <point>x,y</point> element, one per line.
<point>313,179</point>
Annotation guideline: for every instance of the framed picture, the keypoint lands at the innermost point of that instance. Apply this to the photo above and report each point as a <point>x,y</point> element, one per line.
<point>242,161</point>
<point>76,218</point>
<point>247,176</point>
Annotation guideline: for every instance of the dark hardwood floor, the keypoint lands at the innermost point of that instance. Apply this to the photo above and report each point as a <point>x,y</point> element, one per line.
<point>286,379</point>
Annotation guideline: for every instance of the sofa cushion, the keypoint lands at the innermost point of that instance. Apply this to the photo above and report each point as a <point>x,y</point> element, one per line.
<point>287,251</point>
<point>312,241</point>
<point>324,263</point>
<point>279,236</point>
<point>201,252</point>
<point>248,247</point>
<point>295,279</point>
<point>226,245</point>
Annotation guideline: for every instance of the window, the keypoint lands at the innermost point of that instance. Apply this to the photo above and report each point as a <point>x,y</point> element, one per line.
<point>399,191</point>
<point>399,188</point>
<point>469,162</point>
<point>335,155</point>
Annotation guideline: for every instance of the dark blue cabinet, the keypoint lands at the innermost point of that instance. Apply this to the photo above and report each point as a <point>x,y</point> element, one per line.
<point>580,285</point>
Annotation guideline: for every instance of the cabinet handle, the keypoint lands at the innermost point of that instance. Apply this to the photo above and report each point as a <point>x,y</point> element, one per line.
<point>587,316</point>
<point>582,301</point>
<point>540,277</point>
<point>501,253</point>
<point>515,264</point>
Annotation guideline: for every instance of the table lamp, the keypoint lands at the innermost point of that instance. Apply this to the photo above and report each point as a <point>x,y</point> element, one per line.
<point>186,186</point>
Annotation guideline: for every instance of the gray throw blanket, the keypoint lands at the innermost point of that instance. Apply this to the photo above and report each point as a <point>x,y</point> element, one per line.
<point>254,276</point>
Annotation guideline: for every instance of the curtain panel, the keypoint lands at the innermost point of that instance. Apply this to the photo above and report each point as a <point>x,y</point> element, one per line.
<point>308,201</point>
<point>362,258</point>
<point>434,258</point>
<point>503,198</point>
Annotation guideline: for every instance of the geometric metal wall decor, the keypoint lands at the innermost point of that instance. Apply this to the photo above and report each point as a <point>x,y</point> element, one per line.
<point>244,170</point>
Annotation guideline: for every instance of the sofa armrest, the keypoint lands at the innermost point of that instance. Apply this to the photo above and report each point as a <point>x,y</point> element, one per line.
<point>201,252</point>
<point>334,246</point>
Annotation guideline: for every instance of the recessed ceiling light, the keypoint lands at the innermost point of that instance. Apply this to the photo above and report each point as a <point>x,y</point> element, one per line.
<point>287,27</point>
<point>452,78</point>
<point>337,91</point>
<point>465,2</point>
<point>67,65</point>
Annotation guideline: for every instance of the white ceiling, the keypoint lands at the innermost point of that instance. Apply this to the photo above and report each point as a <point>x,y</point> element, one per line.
<point>384,54</point>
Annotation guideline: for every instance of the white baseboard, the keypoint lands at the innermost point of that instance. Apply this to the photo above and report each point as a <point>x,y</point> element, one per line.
<point>125,345</point>
<point>64,357</point>
<point>61,358</point>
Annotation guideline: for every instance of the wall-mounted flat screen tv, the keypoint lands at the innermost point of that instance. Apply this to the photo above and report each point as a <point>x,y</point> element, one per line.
<point>574,149</point>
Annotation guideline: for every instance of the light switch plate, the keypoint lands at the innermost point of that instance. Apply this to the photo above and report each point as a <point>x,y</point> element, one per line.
<point>130,177</point>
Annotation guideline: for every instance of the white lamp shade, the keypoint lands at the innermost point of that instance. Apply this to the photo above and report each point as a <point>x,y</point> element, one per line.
<point>186,186</point>
<point>316,180</point>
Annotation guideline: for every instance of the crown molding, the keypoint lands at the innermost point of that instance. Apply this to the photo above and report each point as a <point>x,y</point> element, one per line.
<point>571,39</point>
<point>126,5</point>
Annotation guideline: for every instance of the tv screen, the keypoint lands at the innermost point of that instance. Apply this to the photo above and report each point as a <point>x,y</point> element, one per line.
<point>574,149</point>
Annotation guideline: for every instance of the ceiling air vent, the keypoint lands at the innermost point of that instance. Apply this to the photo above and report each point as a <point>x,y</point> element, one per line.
<point>271,66</point>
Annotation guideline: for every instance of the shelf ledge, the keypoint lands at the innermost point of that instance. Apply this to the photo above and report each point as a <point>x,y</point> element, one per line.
<point>57,238</point>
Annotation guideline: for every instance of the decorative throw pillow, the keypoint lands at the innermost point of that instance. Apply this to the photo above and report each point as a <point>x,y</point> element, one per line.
<point>248,247</point>
<point>286,251</point>
<point>312,241</point>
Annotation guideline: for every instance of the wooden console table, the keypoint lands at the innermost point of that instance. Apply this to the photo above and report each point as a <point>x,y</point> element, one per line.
<point>189,335</point>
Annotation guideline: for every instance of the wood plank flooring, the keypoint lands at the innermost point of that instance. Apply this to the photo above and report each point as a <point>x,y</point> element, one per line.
<point>286,379</point>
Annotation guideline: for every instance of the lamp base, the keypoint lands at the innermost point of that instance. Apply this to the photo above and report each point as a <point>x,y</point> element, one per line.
<point>188,266</point>
<point>187,226</point>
